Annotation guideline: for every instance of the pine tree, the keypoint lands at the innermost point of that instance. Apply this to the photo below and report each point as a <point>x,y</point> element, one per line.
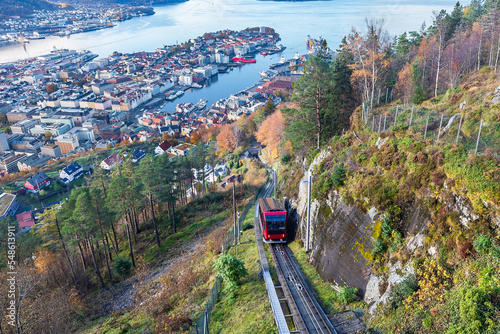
<point>324,96</point>
<point>418,93</point>
<point>85,218</point>
<point>454,21</point>
<point>313,94</point>
<point>119,197</point>
<point>150,175</point>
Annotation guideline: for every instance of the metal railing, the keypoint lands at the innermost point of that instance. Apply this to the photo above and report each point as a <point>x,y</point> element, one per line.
<point>475,134</point>
<point>201,326</point>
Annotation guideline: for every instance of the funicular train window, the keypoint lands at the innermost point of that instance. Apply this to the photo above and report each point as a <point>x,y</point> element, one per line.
<point>275,224</point>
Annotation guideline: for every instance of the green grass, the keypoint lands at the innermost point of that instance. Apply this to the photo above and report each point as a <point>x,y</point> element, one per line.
<point>129,322</point>
<point>249,311</point>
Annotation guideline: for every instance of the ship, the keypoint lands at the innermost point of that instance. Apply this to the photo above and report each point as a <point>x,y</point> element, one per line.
<point>243,60</point>
<point>196,85</point>
<point>275,49</point>
<point>266,74</point>
<point>172,96</point>
<point>201,104</point>
<point>185,108</point>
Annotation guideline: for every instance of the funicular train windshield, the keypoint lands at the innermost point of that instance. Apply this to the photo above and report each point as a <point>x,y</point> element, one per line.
<point>275,223</point>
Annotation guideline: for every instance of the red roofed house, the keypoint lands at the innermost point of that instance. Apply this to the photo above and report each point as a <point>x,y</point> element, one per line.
<point>163,148</point>
<point>26,219</point>
<point>37,182</point>
<point>111,161</point>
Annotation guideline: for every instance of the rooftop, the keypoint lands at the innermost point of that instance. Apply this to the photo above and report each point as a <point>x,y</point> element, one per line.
<point>25,219</point>
<point>5,202</point>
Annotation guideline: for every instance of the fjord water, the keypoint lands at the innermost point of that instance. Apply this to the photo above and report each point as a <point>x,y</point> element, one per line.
<point>293,20</point>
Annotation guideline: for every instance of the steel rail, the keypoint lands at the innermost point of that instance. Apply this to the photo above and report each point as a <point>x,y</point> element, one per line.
<point>311,317</point>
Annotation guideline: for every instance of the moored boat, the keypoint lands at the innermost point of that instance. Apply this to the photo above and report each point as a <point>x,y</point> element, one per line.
<point>243,60</point>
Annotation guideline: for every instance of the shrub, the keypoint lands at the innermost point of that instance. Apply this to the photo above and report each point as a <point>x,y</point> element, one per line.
<point>378,248</point>
<point>346,294</point>
<point>465,249</point>
<point>485,246</point>
<point>402,291</point>
<point>286,158</point>
<point>122,267</point>
<point>313,152</point>
<point>482,244</point>
<point>230,269</point>
<point>247,226</point>
<point>386,230</point>
<point>339,175</point>
<point>361,157</point>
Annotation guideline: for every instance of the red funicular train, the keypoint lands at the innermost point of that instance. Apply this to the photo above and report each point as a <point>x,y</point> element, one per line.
<point>272,217</point>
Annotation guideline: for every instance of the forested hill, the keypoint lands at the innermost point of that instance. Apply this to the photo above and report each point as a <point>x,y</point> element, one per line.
<point>23,7</point>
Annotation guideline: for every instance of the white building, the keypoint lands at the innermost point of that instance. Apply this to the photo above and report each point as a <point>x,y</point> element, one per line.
<point>71,172</point>
<point>186,80</point>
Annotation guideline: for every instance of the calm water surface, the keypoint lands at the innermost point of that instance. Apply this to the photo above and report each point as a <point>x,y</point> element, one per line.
<point>292,20</point>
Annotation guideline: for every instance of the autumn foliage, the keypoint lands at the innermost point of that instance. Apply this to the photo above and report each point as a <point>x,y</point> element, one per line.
<point>271,134</point>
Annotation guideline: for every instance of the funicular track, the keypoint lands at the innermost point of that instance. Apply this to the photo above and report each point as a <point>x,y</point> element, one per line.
<point>307,313</point>
<point>308,316</point>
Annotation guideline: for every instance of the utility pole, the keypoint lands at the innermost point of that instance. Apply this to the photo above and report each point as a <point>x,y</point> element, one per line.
<point>440,124</point>
<point>396,116</point>
<point>426,124</point>
<point>478,136</point>
<point>278,177</point>
<point>239,228</point>
<point>274,181</point>
<point>309,181</point>
<point>459,127</point>
<point>234,216</point>
<point>411,116</point>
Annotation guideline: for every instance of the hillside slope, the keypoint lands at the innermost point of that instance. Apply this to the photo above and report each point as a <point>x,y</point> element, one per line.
<point>23,7</point>
<point>412,223</point>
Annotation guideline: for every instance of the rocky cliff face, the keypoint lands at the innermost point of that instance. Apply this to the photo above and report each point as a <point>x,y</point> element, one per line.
<point>341,242</point>
<point>342,236</point>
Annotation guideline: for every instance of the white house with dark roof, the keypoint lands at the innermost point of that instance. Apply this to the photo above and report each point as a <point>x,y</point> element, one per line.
<point>164,147</point>
<point>71,173</point>
<point>138,154</point>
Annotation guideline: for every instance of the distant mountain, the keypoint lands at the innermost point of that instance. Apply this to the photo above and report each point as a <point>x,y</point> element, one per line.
<point>22,8</point>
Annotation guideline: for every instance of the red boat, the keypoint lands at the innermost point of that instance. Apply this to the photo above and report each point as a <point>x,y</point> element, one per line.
<point>243,60</point>
<point>264,53</point>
